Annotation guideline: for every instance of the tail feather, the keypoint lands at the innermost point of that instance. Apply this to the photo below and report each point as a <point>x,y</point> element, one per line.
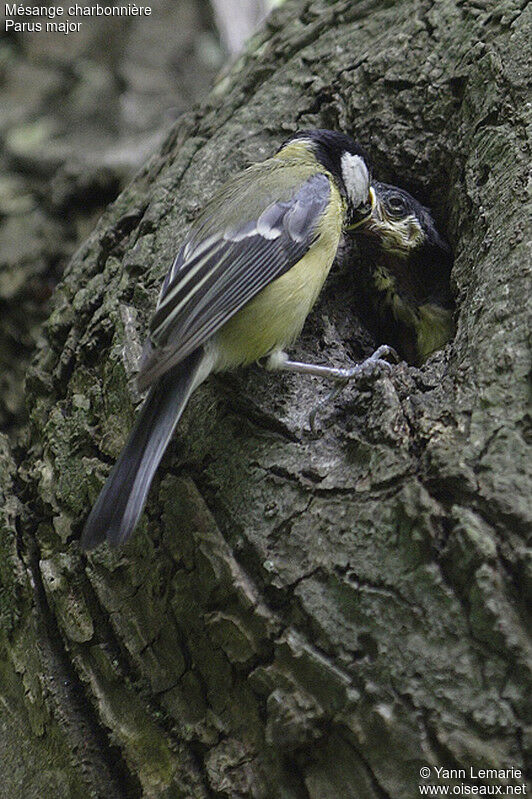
<point>122,499</point>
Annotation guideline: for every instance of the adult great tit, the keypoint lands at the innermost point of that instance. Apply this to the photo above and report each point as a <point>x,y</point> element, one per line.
<point>240,289</point>
<point>410,267</point>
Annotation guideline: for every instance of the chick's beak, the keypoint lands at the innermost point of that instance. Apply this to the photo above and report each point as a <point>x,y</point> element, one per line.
<point>364,211</point>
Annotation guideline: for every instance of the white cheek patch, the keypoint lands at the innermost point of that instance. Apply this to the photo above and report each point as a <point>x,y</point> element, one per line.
<point>399,237</point>
<point>415,232</point>
<point>356,178</point>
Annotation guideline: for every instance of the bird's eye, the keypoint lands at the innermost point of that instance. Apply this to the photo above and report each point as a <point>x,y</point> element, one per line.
<point>396,204</point>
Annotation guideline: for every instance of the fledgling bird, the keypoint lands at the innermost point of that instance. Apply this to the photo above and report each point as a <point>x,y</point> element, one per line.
<point>410,267</point>
<point>240,289</point>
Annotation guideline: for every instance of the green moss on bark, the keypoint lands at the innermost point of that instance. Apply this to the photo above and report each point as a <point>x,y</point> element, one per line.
<point>300,616</point>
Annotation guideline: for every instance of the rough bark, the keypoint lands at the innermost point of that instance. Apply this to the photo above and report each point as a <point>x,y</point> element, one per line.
<point>296,616</point>
<point>79,114</point>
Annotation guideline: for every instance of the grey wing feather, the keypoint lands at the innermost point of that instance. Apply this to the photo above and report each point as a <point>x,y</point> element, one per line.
<point>211,279</point>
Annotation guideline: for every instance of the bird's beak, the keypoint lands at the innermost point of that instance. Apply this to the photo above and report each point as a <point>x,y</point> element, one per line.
<point>364,211</point>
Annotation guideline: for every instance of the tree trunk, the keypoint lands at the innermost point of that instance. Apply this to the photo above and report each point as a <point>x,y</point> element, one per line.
<point>79,115</point>
<point>297,616</point>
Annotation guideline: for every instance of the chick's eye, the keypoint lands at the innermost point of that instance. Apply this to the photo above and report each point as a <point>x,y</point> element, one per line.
<point>396,204</point>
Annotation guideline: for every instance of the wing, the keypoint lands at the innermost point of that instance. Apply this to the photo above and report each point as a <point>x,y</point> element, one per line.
<point>222,266</point>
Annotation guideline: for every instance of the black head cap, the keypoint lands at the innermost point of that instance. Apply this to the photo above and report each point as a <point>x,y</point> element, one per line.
<point>343,158</point>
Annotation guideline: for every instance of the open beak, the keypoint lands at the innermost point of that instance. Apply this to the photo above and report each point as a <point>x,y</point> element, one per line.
<point>363,212</point>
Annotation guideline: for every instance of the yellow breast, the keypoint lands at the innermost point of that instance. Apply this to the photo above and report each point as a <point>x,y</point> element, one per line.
<point>436,328</point>
<point>274,318</point>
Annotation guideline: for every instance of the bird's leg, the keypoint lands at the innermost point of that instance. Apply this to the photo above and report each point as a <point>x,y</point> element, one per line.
<point>279,361</point>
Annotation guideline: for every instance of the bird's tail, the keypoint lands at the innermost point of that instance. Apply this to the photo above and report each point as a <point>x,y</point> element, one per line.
<point>121,500</point>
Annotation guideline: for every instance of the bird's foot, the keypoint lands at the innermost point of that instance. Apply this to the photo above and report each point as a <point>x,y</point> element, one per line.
<point>382,358</point>
<point>280,361</point>
<point>367,370</point>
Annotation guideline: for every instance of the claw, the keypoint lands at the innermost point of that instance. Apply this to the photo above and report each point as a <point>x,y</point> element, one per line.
<point>368,368</point>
